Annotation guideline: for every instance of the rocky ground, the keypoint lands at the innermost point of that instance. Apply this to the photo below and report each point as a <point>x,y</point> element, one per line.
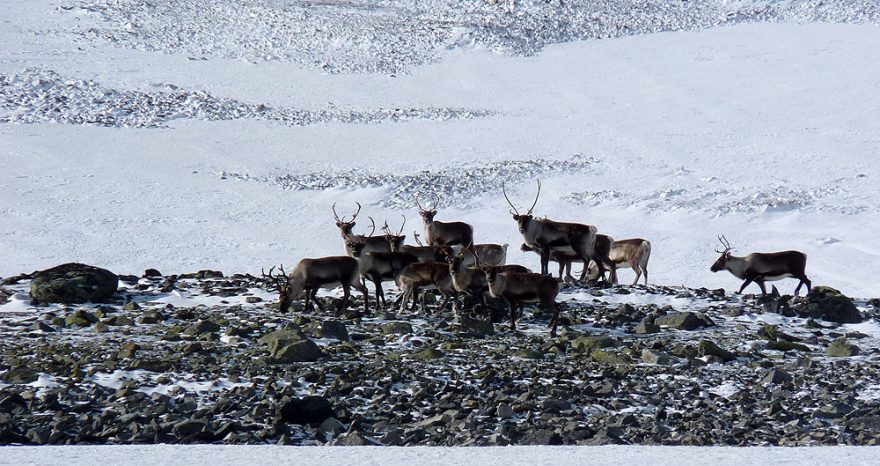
<point>204,357</point>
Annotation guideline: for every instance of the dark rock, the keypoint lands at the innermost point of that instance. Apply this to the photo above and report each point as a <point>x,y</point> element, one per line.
<point>353,440</point>
<point>398,328</point>
<point>647,326</point>
<point>80,318</point>
<point>131,306</point>
<point>783,345</point>
<point>588,343</point>
<point>710,348</point>
<point>332,329</point>
<point>476,327</point>
<point>297,351</point>
<point>190,427</point>
<point>428,353</point>
<point>684,321</point>
<point>73,283</point>
<point>776,376</point>
<point>200,327</point>
<point>541,437</point>
<point>152,273</point>
<point>43,327</point>
<point>311,410</point>
<point>152,365</point>
<point>839,348</point>
<point>828,304</point>
<point>20,374</point>
<point>655,357</point>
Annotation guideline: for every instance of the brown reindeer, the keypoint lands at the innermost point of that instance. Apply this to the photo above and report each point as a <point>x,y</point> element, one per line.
<point>518,288</point>
<point>760,267</point>
<point>544,234</point>
<point>346,228</point>
<point>425,276</point>
<point>444,233</point>
<point>310,275</point>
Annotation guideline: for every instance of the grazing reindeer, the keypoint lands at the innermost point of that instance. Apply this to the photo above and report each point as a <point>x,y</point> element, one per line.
<point>517,288</point>
<point>761,267</point>
<point>633,252</point>
<point>346,227</point>
<point>472,280</point>
<point>425,276</point>
<point>444,233</point>
<point>544,235</point>
<point>309,275</point>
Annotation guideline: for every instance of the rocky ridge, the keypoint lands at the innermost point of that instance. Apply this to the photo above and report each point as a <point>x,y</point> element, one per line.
<point>206,358</point>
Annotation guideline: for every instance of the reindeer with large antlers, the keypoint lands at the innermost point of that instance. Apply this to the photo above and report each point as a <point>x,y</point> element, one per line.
<point>760,267</point>
<point>544,235</point>
<point>310,275</point>
<point>346,228</point>
<point>444,233</point>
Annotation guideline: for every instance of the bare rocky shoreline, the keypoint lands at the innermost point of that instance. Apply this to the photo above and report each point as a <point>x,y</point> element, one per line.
<point>207,358</point>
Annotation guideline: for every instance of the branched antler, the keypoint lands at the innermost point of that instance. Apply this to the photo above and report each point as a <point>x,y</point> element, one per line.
<point>724,243</point>
<point>279,280</point>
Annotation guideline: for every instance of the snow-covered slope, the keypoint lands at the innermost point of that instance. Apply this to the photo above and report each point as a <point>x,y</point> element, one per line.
<point>208,154</point>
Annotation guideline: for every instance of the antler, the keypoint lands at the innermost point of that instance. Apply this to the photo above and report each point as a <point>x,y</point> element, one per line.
<point>373,224</point>
<point>356,213</point>
<point>417,239</point>
<point>335,215</point>
<point>280,280</point>
<point>401,227</point>
<point>386,229</point>
<point>503,190</point>
<point>724,243</point>
<point>436,201</point>
<point>419,203</point>
<point>536,199</point>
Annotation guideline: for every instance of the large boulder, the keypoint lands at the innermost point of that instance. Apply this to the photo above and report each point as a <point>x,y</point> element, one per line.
<point>73,283</point>
<point>290,344</point>
<point>684,321</point>
<point>826,303</point>
<point>307,410</point>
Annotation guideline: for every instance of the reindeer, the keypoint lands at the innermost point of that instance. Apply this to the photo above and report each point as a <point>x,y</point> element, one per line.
<point>384,266</point>
<point>545,234</point>
<point>422,252</point>
<point>487,253</point>
<point>444,233</point>
<point>426,276</point>
<point>761,267</point>
<point>517,288</point>
<point>346,227</point>
<point>309,275</point>
<point>633,252</point>
<point>565,256</point>
<point>471,279</point>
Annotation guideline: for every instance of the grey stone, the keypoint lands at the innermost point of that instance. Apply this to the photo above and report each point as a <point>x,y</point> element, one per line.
<point>73,283</point>
<point>710,348</point>
<point>684,321</point>
<point>655,357</point>
<point>828,304</point>
<point>839,348</point>
<point>398,328</point>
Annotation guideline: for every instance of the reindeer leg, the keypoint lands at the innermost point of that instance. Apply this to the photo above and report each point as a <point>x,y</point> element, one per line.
<point>445,300</point>
<point>512,307</point>
<point>803,280</point>
<point>746,283</point>
<point>761,285</point>
<point>555,319</point>
<point>308,292</point>
<point>346,295</point>
<point>318,301</point>
<point>638,272</point>
<point>645,270</point>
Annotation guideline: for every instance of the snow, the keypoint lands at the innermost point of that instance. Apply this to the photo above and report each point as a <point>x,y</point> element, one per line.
<point>430,456</point>
<point>763,132</point>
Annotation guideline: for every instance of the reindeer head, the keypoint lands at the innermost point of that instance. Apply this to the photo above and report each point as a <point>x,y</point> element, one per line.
<point>428,214</point>
<point>725,255</point>
<point>456,260</point>
<point>281,283</point>
<point>395,241</point>
<point>345,227</point>
<point>356,247</point>
<point>522,220</point>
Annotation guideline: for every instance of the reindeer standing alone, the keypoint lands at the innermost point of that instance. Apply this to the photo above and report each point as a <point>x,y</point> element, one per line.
<point>760,267</point>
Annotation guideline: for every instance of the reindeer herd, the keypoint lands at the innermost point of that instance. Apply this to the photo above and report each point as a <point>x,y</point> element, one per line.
<point>451,264</point>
